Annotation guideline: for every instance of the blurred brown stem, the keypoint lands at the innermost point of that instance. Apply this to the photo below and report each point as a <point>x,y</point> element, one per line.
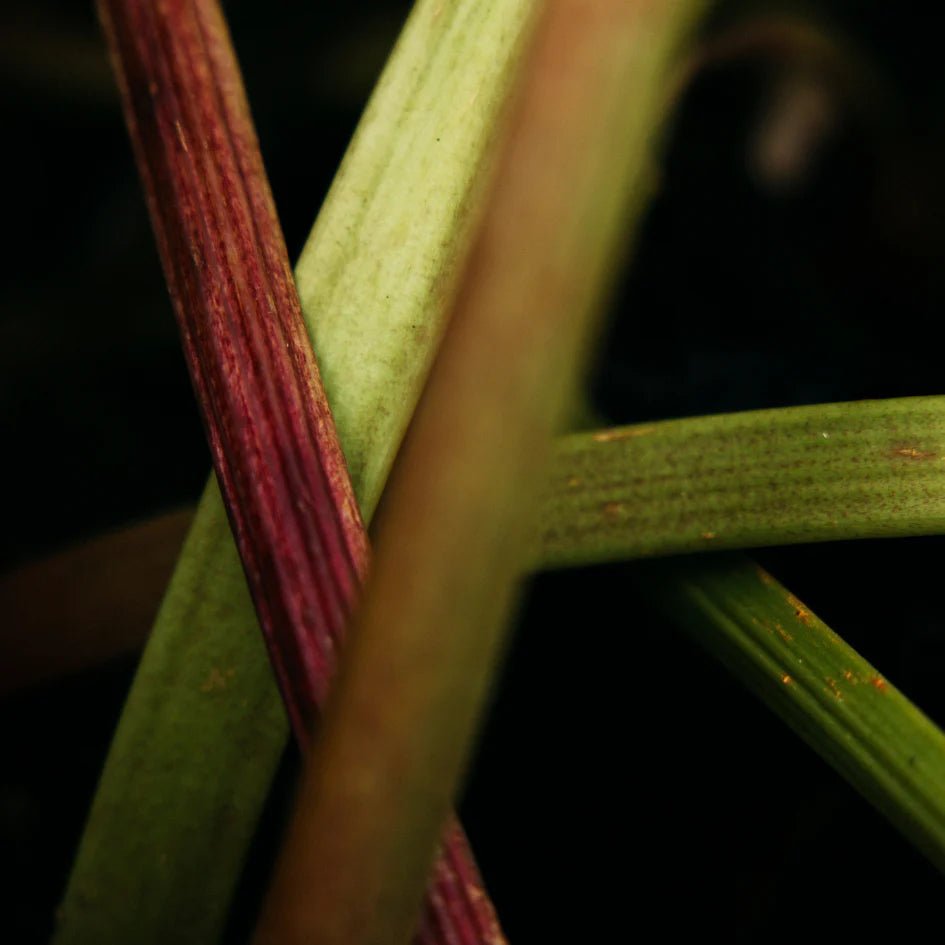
<point>456,523</point>
<point>87,604</point>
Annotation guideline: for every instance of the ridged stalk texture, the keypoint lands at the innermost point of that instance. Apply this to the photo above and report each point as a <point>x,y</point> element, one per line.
<point>203,729</point>
<point>274,448</point>
<point>868,469</point>
<point>276,455</point>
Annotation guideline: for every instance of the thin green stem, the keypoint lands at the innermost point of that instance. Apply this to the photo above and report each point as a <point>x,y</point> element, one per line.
<point>868,469</point>
<point>702,484</point>
<point>845,709</point>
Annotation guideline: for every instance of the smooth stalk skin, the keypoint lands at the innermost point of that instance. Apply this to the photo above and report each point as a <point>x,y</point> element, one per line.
<point>846,710</point>
<point>456,524</point>
<point>153,865</point>
<point>868,469</point>
<point>276,456</point>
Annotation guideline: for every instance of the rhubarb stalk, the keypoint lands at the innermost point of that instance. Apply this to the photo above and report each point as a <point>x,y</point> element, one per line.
<point>740,480</point>
<point>272,439</point>
<point>867,469</point>
<point>455,526</point>
<point>191,762</point>
<point>843,707</point>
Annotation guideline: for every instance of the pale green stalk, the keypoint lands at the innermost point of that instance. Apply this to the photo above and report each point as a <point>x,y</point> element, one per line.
<point>377,272</point>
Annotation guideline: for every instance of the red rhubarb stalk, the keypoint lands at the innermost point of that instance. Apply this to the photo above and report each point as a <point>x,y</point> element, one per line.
<point>272,438</point>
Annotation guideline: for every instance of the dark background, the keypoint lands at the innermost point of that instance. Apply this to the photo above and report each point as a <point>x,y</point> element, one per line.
<point>625,782</point>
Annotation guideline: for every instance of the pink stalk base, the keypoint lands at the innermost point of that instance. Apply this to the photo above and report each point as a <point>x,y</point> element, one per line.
<point>274,446</point>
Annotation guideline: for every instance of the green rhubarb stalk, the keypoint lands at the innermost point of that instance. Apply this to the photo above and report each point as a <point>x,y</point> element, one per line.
<point>844,708</point>
<point>870,469</point>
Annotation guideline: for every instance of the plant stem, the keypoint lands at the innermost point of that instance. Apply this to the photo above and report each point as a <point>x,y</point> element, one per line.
<point>187,773</point>
<point>271,435</point>
<point>190,764</point>
<point>272,438</point>
<point>868,469</point>
<point>456,523</point>
<point>743,480</point>
<point>848,712</point>
<point>87,604</point>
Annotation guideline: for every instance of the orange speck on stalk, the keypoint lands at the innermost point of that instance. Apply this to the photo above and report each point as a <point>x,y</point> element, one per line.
<point>878,683</point>
<point>911,452</point>
<point>800,611</point>
<point>625,433</point>
<point>217,680</point>
<point>612,511</point>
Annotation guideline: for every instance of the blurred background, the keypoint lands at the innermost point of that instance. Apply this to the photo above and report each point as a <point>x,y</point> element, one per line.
<point>792,254</point>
